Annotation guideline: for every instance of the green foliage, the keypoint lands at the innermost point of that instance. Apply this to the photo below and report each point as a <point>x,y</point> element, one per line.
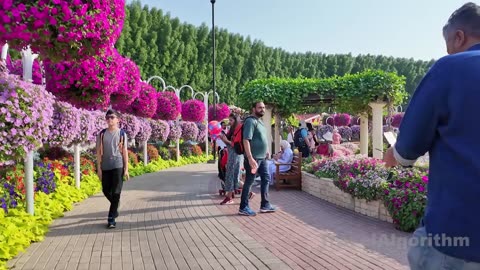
<point>181,53</point>
<point>351,93</point>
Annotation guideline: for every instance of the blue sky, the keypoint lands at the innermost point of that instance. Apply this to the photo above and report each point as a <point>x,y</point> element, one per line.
<point>407,28</point>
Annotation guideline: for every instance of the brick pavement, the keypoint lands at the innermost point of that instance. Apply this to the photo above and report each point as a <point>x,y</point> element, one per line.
<point>171,220</point>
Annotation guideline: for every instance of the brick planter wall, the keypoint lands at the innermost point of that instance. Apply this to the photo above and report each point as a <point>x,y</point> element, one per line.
<point>325,189</point>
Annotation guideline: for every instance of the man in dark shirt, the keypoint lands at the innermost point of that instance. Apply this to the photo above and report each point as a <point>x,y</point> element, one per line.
<point>255,145</point>
<point>438,121</point>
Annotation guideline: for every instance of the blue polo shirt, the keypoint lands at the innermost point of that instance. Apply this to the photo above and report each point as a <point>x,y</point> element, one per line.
<point>441,120</point>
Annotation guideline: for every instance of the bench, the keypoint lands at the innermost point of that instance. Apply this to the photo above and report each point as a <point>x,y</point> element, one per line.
<point>291,178</point>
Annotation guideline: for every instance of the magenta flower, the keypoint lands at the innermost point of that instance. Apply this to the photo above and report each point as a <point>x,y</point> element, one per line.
<point>169,106</point>
<point>193,110</point>
<point>341,119</point>
<point>222,112</point>
<point>145,105</point>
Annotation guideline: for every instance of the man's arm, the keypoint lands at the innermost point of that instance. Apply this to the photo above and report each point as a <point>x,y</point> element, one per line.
<point>426,109</point>
<point>99,156</point>
<point>125,154</point>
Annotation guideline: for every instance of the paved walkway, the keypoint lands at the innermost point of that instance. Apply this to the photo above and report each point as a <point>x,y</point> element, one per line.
<point>172,220</point>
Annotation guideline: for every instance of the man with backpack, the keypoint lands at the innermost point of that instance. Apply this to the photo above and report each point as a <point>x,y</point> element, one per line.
<point>112,163</point>
<point>254,146</point>
<point>300,139</point>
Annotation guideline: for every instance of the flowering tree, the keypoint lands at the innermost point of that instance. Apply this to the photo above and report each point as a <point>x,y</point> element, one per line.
<point>128,88</point>
<point>189,130</point>
<point>98,123</point>
<point>130,124</point>
<point>25,117</point>
<point>202,132</point>
<point>145,105</point>
<point>345,132</point>
<point>222,111</point>
<point>193,110</point>
<point>170,107</point>
<point>175,131</point>
<point>145,130</point>
<point>160,130</point>
<point>356,132</point>
<point>61,29</point>
<point>87,83</point>
<point>65,125</point>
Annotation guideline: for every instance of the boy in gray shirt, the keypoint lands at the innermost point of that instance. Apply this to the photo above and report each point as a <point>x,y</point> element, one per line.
<point>112,163</point>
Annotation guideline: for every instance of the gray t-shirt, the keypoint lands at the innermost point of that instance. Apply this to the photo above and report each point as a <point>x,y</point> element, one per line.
<point>112,156</point>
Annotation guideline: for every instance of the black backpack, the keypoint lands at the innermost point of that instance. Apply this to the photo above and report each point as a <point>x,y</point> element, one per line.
<point>298,140</point>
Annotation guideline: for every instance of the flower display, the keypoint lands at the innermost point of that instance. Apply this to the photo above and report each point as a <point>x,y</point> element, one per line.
<point>88,83</point>
<point>130,124</point>
<point>222,111</point>
<point>128,89</point>
<point>405,196</point>
<point>99,123</point>
<point>341,119</point>
<point>65,125</point>
<point>345,132</point>
<point>189,130</point>
<point>26,112</point>
<point>145,130</point>
<point>236,110</point>
<point>62,29</point>
<point>86,128</point>
<point>145,105</point>
<point>160,130</point>
<point>397,120</point>
<point>328,119</point>
<point>356,133</point>
<point>45,180</point>
<point>16,68</point>
<point>9,195</point>
<point>202,132</point>
<point>193,110</point>
<point>169,106</point>
<point>175,131</point>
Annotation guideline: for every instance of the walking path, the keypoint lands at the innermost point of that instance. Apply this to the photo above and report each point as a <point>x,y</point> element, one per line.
<point>172,220</point>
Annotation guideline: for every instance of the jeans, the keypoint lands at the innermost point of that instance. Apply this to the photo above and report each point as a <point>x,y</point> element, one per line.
<point>249,178</point>
<point>112,183</point>
<point>422,256</point>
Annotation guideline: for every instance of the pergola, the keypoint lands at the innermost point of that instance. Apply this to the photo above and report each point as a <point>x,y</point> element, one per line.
<point>362,94</point>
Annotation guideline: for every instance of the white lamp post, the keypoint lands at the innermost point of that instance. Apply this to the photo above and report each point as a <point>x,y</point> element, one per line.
<point>205,96</point>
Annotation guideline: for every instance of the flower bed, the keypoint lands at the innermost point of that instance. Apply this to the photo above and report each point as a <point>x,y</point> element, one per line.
<point>54,194</point>
<point>374,190</point>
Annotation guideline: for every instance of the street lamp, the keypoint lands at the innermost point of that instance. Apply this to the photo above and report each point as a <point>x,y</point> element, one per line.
<point>213,78</point>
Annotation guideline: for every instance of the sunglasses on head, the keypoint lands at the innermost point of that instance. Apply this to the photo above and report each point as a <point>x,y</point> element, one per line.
<point>110,117</point>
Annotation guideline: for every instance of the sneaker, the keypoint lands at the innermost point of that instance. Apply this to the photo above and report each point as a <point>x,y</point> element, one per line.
<point>247,212</point>
<point>268,209</point>
<point>226,201</point>
<point>111,223</point>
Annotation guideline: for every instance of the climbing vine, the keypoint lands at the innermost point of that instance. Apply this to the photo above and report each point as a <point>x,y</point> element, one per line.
<point>351,93</point>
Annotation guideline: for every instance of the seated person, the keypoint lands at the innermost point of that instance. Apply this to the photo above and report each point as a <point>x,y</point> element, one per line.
<point>285,156</point>
<point>325,148</point>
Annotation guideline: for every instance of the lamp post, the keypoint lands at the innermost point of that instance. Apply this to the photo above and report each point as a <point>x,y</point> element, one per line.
<point>214,150</point>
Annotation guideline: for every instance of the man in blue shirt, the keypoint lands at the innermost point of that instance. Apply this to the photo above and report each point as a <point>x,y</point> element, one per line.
<point>438,121</point>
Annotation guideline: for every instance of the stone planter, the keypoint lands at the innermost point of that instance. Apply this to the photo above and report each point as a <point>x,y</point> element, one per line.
<point>325,189</point>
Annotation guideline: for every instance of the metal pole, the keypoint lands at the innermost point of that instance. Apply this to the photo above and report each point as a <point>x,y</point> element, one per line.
<point>145,153</point>
<point>76,156</point>
<point>214,150</point>
<point>27,62</point>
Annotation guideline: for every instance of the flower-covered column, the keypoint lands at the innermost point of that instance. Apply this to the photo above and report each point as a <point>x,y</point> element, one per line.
<point>364,134</point>
<point>377,128</point>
